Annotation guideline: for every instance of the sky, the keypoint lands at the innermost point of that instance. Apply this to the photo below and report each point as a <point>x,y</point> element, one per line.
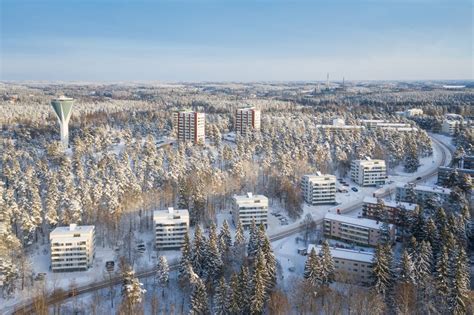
<point>227,40</point>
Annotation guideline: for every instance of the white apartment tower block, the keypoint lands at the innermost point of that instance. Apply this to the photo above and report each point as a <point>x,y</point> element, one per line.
<point>247,120</point>
<point>72,248</point>
<point>250,207</point>
<point>190,126</point>
<point>170,228</point>
<point>369,172</point>
<point>319,188</point>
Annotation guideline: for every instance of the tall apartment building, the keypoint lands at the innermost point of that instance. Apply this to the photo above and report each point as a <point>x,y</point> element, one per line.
<point>351,266</point>
<point>170,228</point>
<point>247,120</point>
<point>391,211</point>
<point>369,172</point>
<point>250,207</point>
<point>355,230</point>
<point>190,126</point>
<point>407,192</point>
<point>319,188</point>
<point>72,248</point>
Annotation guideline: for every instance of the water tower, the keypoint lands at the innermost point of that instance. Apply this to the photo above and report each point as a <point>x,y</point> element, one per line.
<point>63,108</point>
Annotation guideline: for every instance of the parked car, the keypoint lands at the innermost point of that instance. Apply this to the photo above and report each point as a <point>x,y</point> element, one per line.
<point>354,189</point>
<point>418,178</point>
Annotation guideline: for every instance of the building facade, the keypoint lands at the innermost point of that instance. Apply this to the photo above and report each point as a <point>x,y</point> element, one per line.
<point>445,172</point>
<point>391,211</point>
<point>351,266</point>
<point>250,207</point>
<point>247,120</point>
<point>355,230</point>
<point>369,172</point>
<point>319,189</point>
<point>190,126</point>
<point>420,193</point>
<point>171,227</point>
<point>72,248</point>
<point>451,123</point>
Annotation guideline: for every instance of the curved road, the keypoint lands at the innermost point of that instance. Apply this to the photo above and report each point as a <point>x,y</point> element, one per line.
<point>28,306</point>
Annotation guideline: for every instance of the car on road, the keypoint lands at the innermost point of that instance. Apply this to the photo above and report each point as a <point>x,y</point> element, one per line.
<point>418,178</point>
<point>354,189</point>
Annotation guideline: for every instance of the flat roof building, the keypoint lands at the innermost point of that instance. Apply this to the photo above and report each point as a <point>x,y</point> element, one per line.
<point>380,210</point>
<point>355,230</point>
<point>247,120</point>
<point>190,126</point>
<point>368,172</point>
<point>250,207</point>
<point>72,248</point>
<point>420,193</point>
<point>171,226</point>
<point>319,188</point>
<point>351,266</point>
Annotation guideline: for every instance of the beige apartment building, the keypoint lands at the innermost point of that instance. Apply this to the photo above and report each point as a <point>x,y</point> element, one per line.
<point>171,227</point>
<point>369,172</point>
<point>190,126</point>
<point>355,230</point>
<point>376,209</point>
<point>319,188</point>
<point>250,207</point>
<point>247,120</point>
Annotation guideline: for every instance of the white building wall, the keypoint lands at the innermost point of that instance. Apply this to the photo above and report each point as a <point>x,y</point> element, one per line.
<point>369,172</point>
<point>171,227</point>
<point>250,207</point>
<point>319,189</point>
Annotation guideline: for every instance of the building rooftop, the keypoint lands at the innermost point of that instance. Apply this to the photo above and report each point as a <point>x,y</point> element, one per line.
<point>72,228</point>
<point>367,223</point>
<point>393,204</point>
<point>170,215</point>
<point>343,253</point>
<point>436,189</point>
<point>63,98</point>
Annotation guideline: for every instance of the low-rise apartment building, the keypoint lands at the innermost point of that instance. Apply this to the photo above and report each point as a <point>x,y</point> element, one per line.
<point>72,248</point>
<point>451,123</point>
<point>391,211</point>
<point>355,230</point>
<point>351,266</point>
<point>319,188</point>
<point>444,173</point>
<point>250,207</point>
<point>369,172</point>
<point>420,193</point>
<point>171,227</point>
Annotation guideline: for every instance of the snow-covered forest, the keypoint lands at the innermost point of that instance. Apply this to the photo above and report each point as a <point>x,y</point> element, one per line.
<point>124,163</point>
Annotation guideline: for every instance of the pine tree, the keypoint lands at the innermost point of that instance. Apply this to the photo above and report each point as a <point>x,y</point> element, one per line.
<point>132,291</point>
<point>327,265</point>
<point>461,284</point>
<point>252,246</point>
<point>257,302</point>
<point>423,263</point>
<point>199,302</point>
<point>222,298</point>
<point>418,225</point>
<point>225,240</point>
<point>213,259</point>
<point>162,271</point>
<point>382,270</point>
<point>199,253</point>
<point>245,289</point>
<point>312,268</point>
<point>239,243</point>
<point>407,269</point>
<point>443,281</point>
<point>271,263</point>
<point>236,296</point>
<point>184,260</point>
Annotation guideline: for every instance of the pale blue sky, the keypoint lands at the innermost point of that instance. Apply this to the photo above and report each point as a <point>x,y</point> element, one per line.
<point>210,40</point>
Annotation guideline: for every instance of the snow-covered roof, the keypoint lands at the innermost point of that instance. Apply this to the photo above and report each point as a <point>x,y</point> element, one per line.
<point>170,215</point>
<point>68,231</point>
<point>367,223</point>
<point>343,253</point>
<point>318,177</point>
<point>434,189</point>
<point>63,98</point>
<point>392,204</point>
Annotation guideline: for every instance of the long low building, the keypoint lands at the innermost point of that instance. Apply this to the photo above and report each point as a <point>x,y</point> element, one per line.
<point>351,266</point>
<point>420,193</point>
<point>170,228</point>
<point>355,230</point>
<point>250,207</point>
<point>445,172</point>
<point>72,248</point>
<point>378,209</point>
<point>319,188</point>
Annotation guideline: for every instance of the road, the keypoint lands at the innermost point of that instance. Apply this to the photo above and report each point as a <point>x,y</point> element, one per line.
<point>27,306</point>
